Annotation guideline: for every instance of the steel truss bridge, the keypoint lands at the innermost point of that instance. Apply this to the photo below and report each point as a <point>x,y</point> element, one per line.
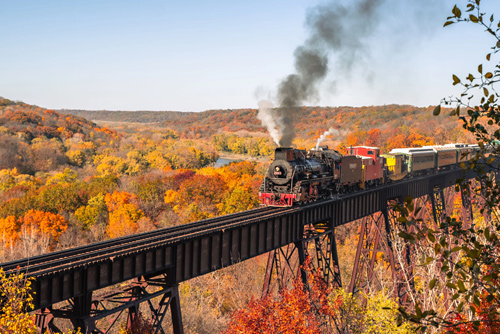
<point>103,280</point>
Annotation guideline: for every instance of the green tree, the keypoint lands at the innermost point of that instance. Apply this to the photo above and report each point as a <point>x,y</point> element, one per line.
<point>92,213</point>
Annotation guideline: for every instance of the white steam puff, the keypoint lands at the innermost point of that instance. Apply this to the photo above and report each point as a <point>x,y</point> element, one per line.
<point>330,132</point>
<point>265,115</point>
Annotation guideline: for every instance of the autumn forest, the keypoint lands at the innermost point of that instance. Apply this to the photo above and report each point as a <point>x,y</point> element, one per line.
<point>73,177</point>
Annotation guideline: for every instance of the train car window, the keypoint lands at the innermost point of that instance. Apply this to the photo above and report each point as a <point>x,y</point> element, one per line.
<point>370,152</point>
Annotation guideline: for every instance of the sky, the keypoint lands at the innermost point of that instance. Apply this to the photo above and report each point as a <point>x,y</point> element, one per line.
<point>223,54</point>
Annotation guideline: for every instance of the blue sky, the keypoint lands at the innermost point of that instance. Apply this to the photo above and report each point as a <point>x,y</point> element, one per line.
<point>200,55</point>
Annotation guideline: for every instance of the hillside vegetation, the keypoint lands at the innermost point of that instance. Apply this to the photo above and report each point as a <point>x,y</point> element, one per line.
<point>387,126</point>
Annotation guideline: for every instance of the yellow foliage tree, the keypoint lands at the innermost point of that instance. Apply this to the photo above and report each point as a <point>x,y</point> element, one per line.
<point>15,299</point>
<point>11,177</point>
<point>64,178</point>
<point>110,165</point>
<point>136,163</point>
<point>76,157</point>
<point>171,196</point>
<point>377,316</point>
<point>240,198</point>
<point>157,160</point>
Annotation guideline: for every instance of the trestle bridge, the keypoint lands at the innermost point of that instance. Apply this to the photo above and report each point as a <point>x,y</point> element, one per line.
<point>87,284</point>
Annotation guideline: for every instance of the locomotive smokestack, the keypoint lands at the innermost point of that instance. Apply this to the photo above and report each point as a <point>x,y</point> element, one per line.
<point>333,29</point>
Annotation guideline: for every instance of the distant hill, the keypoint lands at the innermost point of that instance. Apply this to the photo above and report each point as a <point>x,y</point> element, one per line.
<point>31,122</point>
<point>385,126</point>
<point>188,124</point>
<point>38,139</point>
<point>310,121</point>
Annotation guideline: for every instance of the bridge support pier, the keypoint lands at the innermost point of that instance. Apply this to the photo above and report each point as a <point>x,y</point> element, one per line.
<point>88,312</point>
<point>366,251</point>
<point>376,237</point>
<point>44,321</point>
<point>438,206</point>
<point>284,264</point>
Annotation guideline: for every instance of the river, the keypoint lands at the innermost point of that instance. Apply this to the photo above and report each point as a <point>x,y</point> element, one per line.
<point>224,161</point>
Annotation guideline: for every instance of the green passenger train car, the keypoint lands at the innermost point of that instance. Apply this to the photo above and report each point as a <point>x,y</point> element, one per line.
<point>418,159</point>
<point>446,156</point>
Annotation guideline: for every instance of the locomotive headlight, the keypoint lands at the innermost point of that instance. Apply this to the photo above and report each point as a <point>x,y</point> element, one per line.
<point>279,172</point>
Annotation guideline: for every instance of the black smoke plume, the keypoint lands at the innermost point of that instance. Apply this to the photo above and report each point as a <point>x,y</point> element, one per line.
<point>334,29</point>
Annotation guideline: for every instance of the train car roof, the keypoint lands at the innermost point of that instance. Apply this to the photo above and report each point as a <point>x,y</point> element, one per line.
<point>441,148</point>
<point>412,150</point>
<point>457,145</point>
<point>368,147</point>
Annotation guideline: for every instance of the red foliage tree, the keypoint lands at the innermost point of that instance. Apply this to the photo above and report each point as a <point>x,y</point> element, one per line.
<point>296,310</point>
<point>486,320</point>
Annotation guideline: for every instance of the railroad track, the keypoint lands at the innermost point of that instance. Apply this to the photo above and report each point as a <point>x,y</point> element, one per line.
<point>78,256</point>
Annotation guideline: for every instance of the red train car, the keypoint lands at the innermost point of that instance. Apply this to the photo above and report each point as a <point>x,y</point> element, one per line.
<point>373,164</point>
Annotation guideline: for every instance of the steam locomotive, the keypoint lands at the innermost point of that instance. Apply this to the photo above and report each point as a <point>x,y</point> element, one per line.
<point>297,176</point>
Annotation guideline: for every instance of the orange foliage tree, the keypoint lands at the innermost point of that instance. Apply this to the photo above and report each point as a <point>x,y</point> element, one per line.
<point>402,137</point>
<point>9,228</point>
<point>202,188</point>
<point>123,214</point>
<point>197,196</point>
<point>44,223</point>
<point>373,137</point>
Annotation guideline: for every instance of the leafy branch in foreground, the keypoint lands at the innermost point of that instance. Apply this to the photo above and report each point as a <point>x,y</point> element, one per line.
<point>469,270</point>
<point>467,254</point>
